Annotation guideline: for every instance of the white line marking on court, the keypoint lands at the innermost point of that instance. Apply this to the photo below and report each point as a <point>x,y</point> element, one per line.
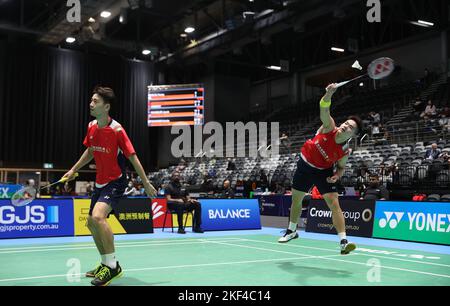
<point>353,262</point>
<point>62,246</point>
<point>170,267</point>
<point>92,246</point>
<point>358,253</point>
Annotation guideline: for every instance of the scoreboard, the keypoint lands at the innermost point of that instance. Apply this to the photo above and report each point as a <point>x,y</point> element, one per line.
<point>170,105</point>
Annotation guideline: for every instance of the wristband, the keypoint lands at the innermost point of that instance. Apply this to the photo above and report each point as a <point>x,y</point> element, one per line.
<point>324,103</point>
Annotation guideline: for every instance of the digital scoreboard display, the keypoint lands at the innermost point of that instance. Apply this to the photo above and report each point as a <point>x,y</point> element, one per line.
<point>170,105</point>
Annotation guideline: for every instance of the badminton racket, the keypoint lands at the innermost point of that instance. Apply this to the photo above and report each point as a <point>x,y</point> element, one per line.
<point>26,195</point>
<point>378,69</point>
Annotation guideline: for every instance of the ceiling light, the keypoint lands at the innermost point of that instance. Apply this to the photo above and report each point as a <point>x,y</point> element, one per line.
<point>425,23</point>
<point>146,52</point>
<point>278,68</point>
<point>105,14</point>
<point>91,20</point>
<point>189,29</point>
<point>337,49</point>
<point>183,35</point>
<point>70,39</point>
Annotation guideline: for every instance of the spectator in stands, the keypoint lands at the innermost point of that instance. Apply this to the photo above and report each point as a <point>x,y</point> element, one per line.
<point>279,189</point>
<point>419,107</point>
<point>445,111</point>
<point>375,117</point>
<point>429,125</point>
<point>227,192</point>
<point>207,184</point>
<point>179,200</point>
<point>67,190</point>
<point>89,190</point>
<point>285,142</point>
<point>375,191</point>
<point>433,152</point>
<point>130,190</point>
<point>443,121</point>
<point>264,182</point>
<point>231,164</point>
<point>430,110</point>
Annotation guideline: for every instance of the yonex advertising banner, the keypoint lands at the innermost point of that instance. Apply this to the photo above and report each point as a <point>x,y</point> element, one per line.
<point>40,218</point>
<point>413,221</point>
<point>230,214</point>
<point>7,190</point>
<point>358,216</point>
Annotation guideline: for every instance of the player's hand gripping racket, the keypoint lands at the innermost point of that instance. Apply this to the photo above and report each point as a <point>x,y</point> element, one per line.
<point>26,195</point>
<point>377,69</point>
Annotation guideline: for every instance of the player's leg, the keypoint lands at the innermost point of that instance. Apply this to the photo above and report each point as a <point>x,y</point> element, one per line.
<point>92,228</point>
<point>98,244</point>
<point>301,183</point>
<point>332,201</point>
<point>111,268</point>
<point>296,209</point>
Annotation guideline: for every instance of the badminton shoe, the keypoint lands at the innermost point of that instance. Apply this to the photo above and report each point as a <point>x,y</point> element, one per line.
<point>94,272</point>
<point>289,235</point>
<point>347,247</point>
<point>106,275</point>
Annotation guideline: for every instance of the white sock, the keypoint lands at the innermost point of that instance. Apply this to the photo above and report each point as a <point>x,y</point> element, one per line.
<point>111,260</point>
<point>292,226</point>
<point>342,236</point>
<point>103,259</point>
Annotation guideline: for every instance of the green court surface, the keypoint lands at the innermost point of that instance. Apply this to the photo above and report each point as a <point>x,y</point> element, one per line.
<point>231,260</point>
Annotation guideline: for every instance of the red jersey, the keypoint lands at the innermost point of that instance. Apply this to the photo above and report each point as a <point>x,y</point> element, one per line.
<point>108,144</point>
<point>322,151</point>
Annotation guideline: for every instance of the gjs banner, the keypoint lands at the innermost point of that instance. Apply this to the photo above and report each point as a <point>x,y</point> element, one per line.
<point>230,214</point>
<point>413,221</point>
<point>40,218</point>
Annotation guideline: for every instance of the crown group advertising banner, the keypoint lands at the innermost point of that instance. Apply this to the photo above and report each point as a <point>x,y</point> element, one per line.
<point>40,218</point>
<point>413,221</point>
<point>230,214</point>
<point>358,216</point>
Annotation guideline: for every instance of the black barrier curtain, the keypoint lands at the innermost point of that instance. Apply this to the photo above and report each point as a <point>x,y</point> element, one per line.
<point>44,103</point>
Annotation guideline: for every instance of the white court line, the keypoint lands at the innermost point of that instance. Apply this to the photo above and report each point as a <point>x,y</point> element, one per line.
<point>348,261</point>
<point>170,267</point>
<point>169,240</point>
<point>358,253</point>
<point>197,241</point>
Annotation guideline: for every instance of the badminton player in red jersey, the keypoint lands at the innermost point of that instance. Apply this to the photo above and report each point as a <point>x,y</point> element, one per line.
<point>318,157</point>
<point>108,143</point>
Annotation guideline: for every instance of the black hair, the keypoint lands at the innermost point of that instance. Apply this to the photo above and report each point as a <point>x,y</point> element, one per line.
<point>106,93</point>
<point>359,123</point>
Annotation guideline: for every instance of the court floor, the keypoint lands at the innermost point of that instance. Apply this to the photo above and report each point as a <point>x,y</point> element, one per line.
<point>226,258</point>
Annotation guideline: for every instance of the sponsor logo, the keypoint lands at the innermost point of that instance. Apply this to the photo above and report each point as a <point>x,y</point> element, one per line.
<point>229,213</point>
<point>366,215</point>
<point>35,214</point>
<point>392,218</point>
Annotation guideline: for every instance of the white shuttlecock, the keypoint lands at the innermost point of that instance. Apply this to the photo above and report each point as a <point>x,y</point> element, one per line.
<point>356,65</point>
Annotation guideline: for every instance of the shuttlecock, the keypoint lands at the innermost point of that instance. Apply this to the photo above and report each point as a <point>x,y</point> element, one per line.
<point>356,65</point>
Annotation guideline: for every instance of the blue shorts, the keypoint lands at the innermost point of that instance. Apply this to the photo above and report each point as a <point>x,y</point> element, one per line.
<point>306,177</point>
<point>109,194</point>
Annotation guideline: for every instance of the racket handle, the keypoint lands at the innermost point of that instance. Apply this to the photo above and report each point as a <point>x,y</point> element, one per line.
<point>65,179</point>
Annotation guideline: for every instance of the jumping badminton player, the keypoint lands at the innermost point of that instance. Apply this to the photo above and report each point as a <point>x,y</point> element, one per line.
<point>108,143</point>
<point>315,167</point>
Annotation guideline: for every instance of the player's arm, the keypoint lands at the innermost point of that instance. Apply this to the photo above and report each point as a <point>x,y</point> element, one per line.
<point>85,158</point>
<point>149,189</point>
<point>327,121</point>
<point>170,199</point>
<point>340,168</point>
